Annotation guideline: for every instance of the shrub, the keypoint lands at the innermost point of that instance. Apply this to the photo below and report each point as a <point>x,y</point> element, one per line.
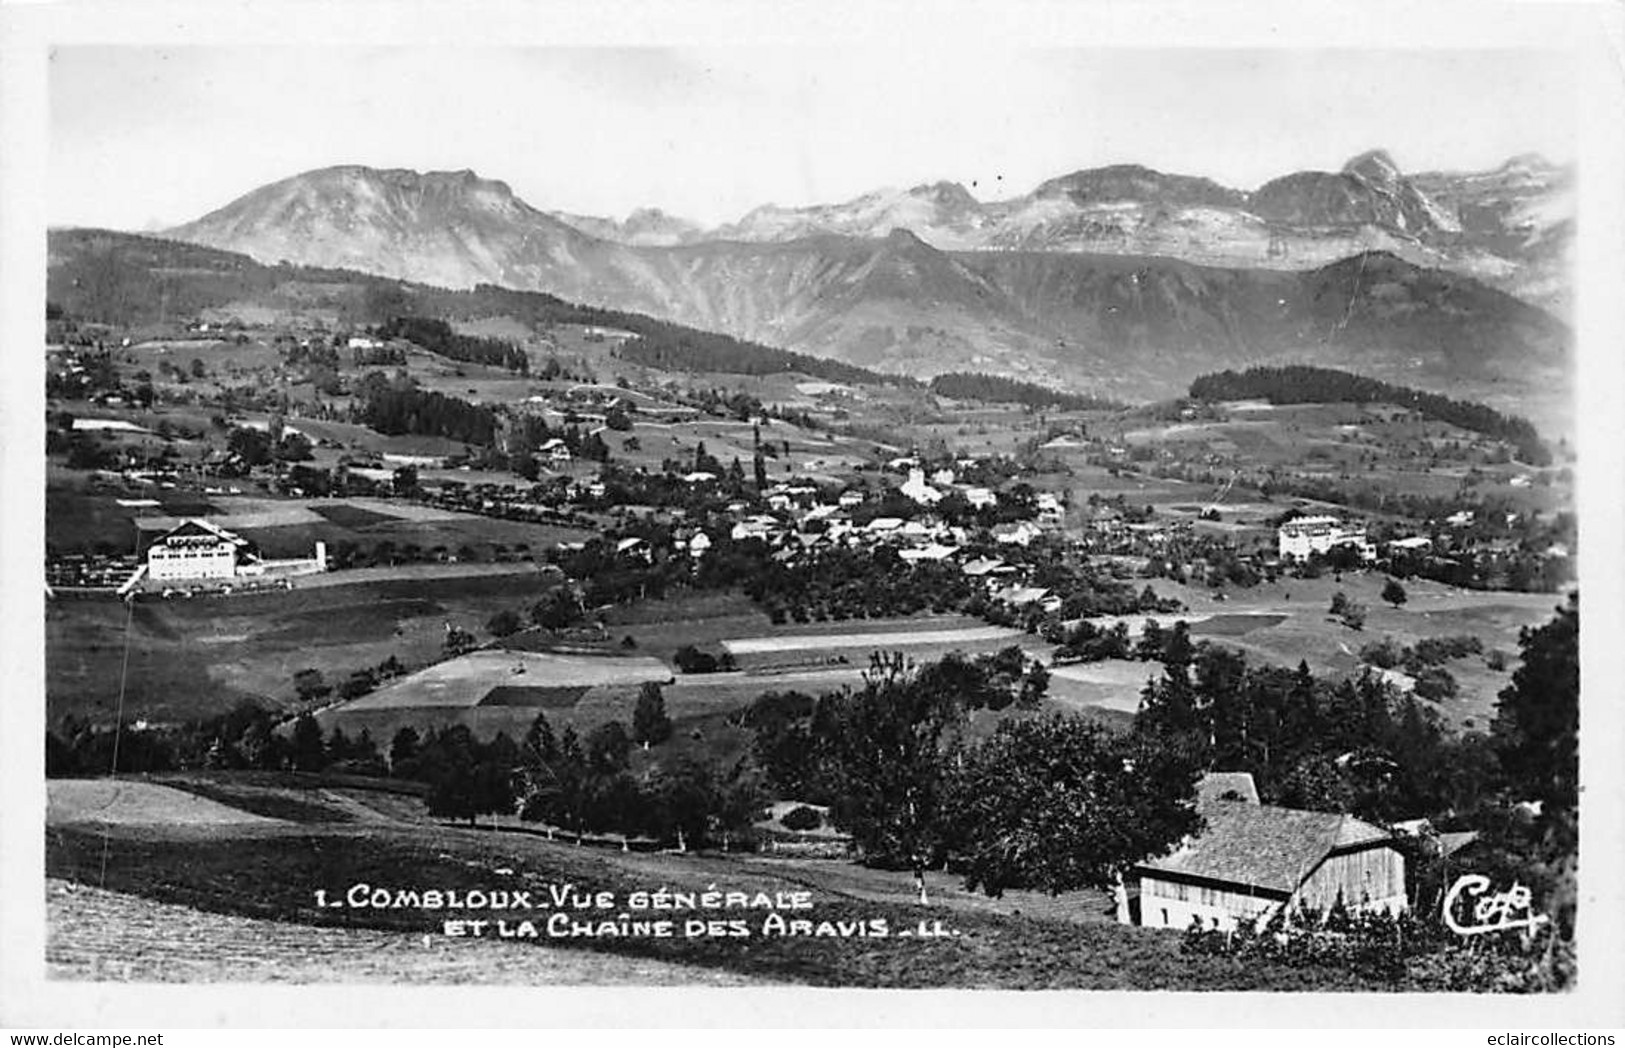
<point>1384,654</point>
<point>690,659</point>
<point>1435,683</point>
<point>802,818</point>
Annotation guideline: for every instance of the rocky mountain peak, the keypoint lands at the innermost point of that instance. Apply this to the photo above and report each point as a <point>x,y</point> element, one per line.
<point>1375,166</point>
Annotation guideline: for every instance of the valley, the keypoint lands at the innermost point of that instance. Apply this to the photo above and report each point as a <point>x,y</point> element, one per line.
<point>353,575</point>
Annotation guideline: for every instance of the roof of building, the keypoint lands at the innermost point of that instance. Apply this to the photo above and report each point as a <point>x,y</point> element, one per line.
<point>1021,594</point>
<point>1303,522</point>
<point>199,526</point>
<point>1262,846</point>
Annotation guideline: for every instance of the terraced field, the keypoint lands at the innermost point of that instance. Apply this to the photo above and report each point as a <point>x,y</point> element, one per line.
<point>466,681</point>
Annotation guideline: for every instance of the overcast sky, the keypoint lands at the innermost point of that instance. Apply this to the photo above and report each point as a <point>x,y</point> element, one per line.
<point>143,137</point>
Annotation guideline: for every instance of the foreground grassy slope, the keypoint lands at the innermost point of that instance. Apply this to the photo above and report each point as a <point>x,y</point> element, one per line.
<point>270,873</point>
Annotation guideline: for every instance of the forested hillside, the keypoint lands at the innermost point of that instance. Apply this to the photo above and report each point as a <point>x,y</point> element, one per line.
<point>1297,384</point>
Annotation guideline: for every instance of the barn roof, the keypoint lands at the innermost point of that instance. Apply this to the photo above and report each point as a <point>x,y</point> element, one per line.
<point>1262,846</point>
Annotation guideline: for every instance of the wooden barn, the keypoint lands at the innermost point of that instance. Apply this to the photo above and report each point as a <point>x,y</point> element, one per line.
<point>1252,858</point>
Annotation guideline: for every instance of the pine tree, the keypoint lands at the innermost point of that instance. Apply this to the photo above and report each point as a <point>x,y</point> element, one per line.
<point>540,743</point>
<point>650,725</point>
<point>308,754</point>
<point>1536,728</point>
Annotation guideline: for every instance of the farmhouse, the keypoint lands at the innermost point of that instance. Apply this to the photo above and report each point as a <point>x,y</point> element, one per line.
<point>1253,858</point>
<point>1300,537</point>
<point>196,549</point>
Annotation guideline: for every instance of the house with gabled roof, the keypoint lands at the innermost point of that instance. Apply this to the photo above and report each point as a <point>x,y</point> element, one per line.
<point>196,549</point>
<point>1252,859</point>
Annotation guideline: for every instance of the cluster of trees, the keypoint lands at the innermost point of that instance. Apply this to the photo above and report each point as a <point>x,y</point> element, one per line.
<point>1529,755</point>
<point>1526,569</point>
<point>1358,746</point>
<point>588,786</point>
<point>1353,745</point>
<point>995,389</point>
<point>378,356</point>
<point>1426,653</point>
<point>244,737</point>
<point>670,347</point>
<point>690,659</point>
<point>436,336</point>
<point>97,376</point>
<point>399,408</point>
<point>1301,384</point>
<point>838,583</point>
<point>1350,613</point>
<point>1055,803</point>
<point>1085,642</point>
<point>260,447</point>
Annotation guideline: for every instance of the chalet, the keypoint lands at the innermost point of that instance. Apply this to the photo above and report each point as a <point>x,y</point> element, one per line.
<point>753,528</point>
<point>556,450</point>
<point>916,531</point>
<point>196,549</point>
<point>1251,859</point>
<point>849,499</point>
<point>1020,534</point>
<point>983,566</point>
<point>981,498</point>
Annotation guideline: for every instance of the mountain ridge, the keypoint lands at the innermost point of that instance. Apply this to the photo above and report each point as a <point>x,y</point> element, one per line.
<point>895,301</point>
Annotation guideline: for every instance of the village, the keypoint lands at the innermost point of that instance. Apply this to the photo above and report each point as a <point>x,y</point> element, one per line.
<point>534,536</point>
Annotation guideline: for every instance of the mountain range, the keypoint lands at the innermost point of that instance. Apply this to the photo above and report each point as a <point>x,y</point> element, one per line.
<point>1509,226</point>
<point>1120,280</point>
